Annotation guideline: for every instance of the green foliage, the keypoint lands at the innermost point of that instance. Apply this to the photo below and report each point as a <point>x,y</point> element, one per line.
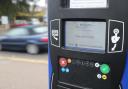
<point>22,6</point>
<point>10,9</point>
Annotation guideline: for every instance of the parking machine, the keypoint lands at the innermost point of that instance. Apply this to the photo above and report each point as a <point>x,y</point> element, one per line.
<point>88,44</point>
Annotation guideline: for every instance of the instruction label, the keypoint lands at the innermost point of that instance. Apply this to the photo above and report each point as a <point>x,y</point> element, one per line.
<point>88,3</point>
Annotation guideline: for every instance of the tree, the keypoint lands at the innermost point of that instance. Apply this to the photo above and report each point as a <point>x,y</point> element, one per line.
<point>10,9</point>
<point>22,6</point>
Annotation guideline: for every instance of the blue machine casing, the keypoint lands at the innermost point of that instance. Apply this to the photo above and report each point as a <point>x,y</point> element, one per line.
<point>49,69</point>
<point>124,81</point>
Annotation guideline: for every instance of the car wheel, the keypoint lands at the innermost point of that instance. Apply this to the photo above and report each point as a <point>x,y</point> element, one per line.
<point>32,49</point>
<point>0,47</point>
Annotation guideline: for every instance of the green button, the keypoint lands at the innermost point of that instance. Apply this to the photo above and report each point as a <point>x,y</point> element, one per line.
<point>104,68</point>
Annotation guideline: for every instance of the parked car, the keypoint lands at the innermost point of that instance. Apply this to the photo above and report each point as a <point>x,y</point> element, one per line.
<point>19,25</point>
<point>33,39</point>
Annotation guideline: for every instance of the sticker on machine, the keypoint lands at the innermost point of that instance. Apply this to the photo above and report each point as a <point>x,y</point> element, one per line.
<point>88,3</point>
<point>115,36</point>
<point>55,32</point>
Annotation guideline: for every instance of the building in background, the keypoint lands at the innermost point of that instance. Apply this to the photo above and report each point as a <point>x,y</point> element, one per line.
<point>23,12</point>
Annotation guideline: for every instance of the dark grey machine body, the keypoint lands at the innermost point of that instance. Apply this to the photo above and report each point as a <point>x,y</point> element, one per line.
<point>116,13</point>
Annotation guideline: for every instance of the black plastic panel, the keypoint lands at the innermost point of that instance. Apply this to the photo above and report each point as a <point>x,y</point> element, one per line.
<point>117,11</point>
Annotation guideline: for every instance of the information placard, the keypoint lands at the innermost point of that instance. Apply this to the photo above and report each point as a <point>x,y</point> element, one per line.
<point>4,20</point>
<point>88,3</point>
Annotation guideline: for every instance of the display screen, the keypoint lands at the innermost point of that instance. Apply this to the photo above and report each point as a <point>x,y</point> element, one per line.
<point>87,36</point>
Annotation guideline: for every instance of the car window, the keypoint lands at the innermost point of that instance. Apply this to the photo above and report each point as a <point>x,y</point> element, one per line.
<point>18,32</point>
<point>40,30</point>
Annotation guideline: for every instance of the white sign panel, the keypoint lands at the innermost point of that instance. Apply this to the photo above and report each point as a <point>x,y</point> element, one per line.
<point>4,20</point>
<point>88,3</point>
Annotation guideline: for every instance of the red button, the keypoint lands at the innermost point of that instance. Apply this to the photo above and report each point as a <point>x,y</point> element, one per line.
<point>63,62</point>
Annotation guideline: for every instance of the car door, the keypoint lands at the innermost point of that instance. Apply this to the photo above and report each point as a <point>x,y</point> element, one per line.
<point>16,38</point>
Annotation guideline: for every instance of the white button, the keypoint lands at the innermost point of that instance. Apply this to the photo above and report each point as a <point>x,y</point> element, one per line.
<point>99,76</point>
<point>97,65</point>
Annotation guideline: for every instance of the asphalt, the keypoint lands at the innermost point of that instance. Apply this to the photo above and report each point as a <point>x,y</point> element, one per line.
<point>23,71</point>
<point>24,57</point>
<point>21,75</point>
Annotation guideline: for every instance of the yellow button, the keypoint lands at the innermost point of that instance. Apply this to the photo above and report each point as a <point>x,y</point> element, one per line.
<point>104,77</point>
<point>69,60</point>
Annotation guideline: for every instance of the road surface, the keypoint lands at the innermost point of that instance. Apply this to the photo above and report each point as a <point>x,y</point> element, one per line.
<point>31,73</point>
<point>22,56</point>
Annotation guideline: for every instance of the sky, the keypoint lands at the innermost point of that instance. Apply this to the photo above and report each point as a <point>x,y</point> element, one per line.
<point>41,3</point>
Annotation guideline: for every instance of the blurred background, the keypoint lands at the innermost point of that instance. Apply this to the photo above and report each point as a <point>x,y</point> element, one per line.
<point>23,44</point>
